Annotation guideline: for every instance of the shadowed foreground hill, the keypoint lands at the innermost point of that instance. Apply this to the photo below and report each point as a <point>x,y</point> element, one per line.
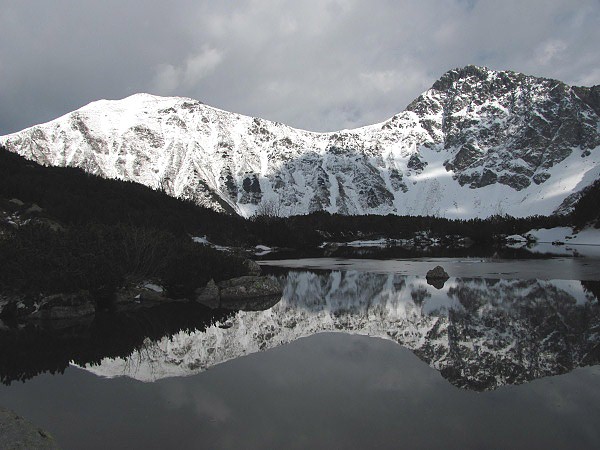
<point>65,230</point>
<point>74,197</point>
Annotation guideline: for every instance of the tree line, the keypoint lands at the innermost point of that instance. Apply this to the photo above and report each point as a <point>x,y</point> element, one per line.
<point>113,231</point>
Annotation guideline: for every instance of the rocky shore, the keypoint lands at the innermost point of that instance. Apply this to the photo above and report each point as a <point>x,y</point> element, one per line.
<point>17,433</point>
<point>250,292</point>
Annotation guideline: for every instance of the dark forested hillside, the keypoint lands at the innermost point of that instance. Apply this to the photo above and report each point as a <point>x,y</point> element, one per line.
<point>94,234</point>
<point>587,209</point>
<point>74,197</point>
<point>337,227</point>
<point>64,231</point>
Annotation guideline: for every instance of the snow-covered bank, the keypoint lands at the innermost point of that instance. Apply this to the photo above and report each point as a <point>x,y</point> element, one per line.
<point>587,236</point>
<point>560,241</point>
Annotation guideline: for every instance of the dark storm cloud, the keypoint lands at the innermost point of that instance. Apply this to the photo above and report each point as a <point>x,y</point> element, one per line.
<point>321,65</point>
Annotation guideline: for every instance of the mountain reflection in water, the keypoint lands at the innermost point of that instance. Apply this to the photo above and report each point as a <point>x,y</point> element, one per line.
<point>479,333</point>
<point>32,349</point>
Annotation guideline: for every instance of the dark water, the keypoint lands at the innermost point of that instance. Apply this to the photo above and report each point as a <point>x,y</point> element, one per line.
<point>325,391</point>
<point>347,359</point>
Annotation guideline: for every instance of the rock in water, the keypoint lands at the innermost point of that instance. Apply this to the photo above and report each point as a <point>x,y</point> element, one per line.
<point>437,276</point>
<point>438,272</point>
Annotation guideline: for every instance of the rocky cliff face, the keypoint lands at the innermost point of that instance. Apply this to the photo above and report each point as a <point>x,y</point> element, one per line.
<point>479,142</point>
<point>508,128</point>
<point>480,334</point>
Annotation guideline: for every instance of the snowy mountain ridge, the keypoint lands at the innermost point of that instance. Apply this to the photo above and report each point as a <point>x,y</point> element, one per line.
<point>479,142</point>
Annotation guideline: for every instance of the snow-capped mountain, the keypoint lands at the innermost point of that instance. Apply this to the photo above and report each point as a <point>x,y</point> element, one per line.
<point>479,333</point>
<point>479,142</point>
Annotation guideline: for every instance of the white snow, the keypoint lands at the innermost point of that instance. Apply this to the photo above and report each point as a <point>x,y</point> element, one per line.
<point>201,240</point>
<point>153,287</point>
<point>587,236</point>
<point>367,243</point>
<point>182,145</point>
<point>564,241</point>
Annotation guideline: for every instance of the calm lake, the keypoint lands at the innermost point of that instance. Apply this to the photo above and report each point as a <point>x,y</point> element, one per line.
<point>356,354</point>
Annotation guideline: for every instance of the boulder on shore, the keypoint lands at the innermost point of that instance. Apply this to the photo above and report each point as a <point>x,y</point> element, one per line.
<point>252,267</point>
<point>141,296</point>
<point>248,287</point>
<point>54,311</point>
<point>209,295</point>
<point>247,293</point>
<point>65,306</point>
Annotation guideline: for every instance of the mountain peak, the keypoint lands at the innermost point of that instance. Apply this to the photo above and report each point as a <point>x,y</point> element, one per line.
<point>453,75</point>
<point>144,96</point>
<point>147,97</point>
<point>140,100</point>
<point>480,142</point>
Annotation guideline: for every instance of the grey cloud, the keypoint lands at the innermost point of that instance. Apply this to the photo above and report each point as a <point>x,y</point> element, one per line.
<point>320,65</point>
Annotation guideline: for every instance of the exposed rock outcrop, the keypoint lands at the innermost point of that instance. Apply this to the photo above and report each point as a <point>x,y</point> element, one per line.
<point>209,295</point>
<point>252,268</point>
<point>56,307</point>
<point>17,433</point>
<point>247,293</point>
<point>66,306</point>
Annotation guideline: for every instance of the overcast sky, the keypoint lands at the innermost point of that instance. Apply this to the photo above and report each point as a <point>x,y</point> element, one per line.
<point>318,65</point>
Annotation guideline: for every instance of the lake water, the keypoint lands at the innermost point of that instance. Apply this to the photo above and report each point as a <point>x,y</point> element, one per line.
<point>357,354</point>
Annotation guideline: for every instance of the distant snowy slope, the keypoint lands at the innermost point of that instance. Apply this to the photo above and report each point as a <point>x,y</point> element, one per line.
<point>478,143</point>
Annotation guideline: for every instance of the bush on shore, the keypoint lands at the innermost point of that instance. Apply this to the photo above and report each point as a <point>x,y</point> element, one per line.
<point>101,258</point>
